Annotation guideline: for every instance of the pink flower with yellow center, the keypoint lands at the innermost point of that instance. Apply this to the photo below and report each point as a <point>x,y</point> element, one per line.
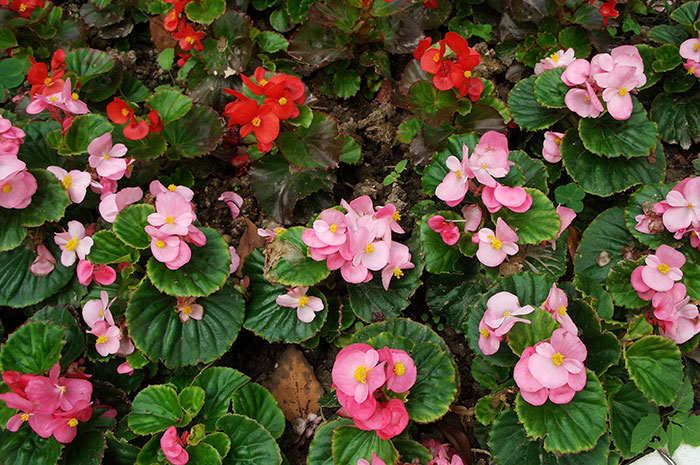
<point>357,371</point>
<point>74,243</point>
<point>495,246</point>
<point>663,269</point>
<point>187,308</point>
<point>307,306</point>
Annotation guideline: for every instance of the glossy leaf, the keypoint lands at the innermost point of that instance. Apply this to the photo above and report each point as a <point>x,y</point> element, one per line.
<point>534,171</point>
<point>401,327</point>
<point>155,409</point>
<point>646,197</point>
<point>549,258</point>
<point>620,287</point>
<point>156,329</point>
<point>439,257</point>
<point>540,223</point>
<point>33,348</point>
<point>320,452</point>
<point>250,442</point>
<point>219,384</point>
<point>204,453</point>
<point>317,146</point>
<point>678,117</point>
<point>431,104</point>
<point>130,223</point>
<point>75,341</point>
<point>195,134</point>
<point>527,111</point>
<point>232,49</point>
<point>293,265</point>
<point>550,90</point>
<point>257,403</point>
<point>88,63</point>
<point>350,444</point>
<point>107,248</point>
<point>316,45</point>
<point>595,295</point>
<point>83,130</point>
<point>150,147</point>
<point>170,105</point>
<point>25,447</point>
<point>205,273</point>
<point>205,11</point>
<point>452,295</point>
<point>654,364</point>
<point>602,346</point>
<point>627,408</point>
<point>435,387</point>
<point>524,335</point>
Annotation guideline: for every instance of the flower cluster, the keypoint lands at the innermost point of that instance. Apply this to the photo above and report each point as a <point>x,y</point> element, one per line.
<point>172,446</point>
<point>680,211</point>
<point>502,311</point>
<point>690,50</point>
<point>53,405</point>
<point>657,281</point>
<point>170,227</point>
<point>119,112</point>
<point>359,241</point>
<point>306,306</point>
<point>278,95</point>
<point>17,185</point>
<point>451,62</point>
<point>110,339</point>
<point>613,74</point>
<point>185,35</point>
<point>552,370</point>
<point>362,375</point>
<point>24,8</point>
<point>440,452</point>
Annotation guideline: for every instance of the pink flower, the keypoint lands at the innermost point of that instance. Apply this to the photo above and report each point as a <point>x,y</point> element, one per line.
<point>489,342</point>
<point>559,59</point>
<point>330,228</point>
<point>173,214</point>
<point>374,255</point>
<point>557,304</point>
<point>98,310</point>
<point>375,460</point>
<point>53,392</point>
<point>29,412</point>
<point>682,206</point>
<point>357,371</point>
<point>64,425</point>
<point>16,191</point>
<point>685,325</point>
<point>577,73</point>
<point>455,184</point>
<point>233,201</point>
<point>584,103</point>
<point>690,50</point>
<point>566,216</point>
<point>235,259</point>
<point>107,159</point>
<point>448,231</point>
<point>472,217</point>
<point>187,308</point>
<point>44,262</point>
<point>616,94</point>
<point>40,103</point>
<point>156,188</point>
<point>399,260</point>
<point>502,310</point>
<point>643,291</point>
<point>73,243</point>
<point>71,102</point>
<point>514,198</point>
<point>171,445</point>
<point>398,419</point>
<point>692,66</point>
<point>551,148</point>
<point>108,337</point>
<point>112,204</point>
<point>171,250</point>
<point>125,369</point>
<point>74,182</point>
<point>400,369</point>
<point>490,158</point>
<point>10,137</point>
<point>494,247</point>
<point>663,268</point>
<point>307,306</point>
<point>103,274</point>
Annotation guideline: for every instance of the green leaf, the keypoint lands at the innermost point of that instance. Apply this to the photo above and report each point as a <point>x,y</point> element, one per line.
<point>232,49</point>
<point>603,347</point>
<point>408,129</point>
<point>7,38</point>
<point>549,258</point>
<point>130,223</point>
<point>170,104</point>
<point>166,58</point>
<point>271,42</point>
<point>401,327</point>
<point>83,130</point>
<point>155,409</point>
<point>602,245</point>
<point>267,319</point>
<point>487,409</point>
<point>298,9</point>
<point>156,329</point>
<point>316,45</point>
<point>148,455</point>
<point>654,364</point>
<point>205,11</point>
<point>19,287</point>
<point>205,273</point>
<point>686,14</point>
<point>595,295</point>
<point>75,342</point>
<point>25,447</point>
<point>679,81</point>
<point>191,400</point>
<point>48,202</point>
<point>452,295</point>
<point>550,90</point>
<point>620,287</point>
<point>638,328</point>
<point>293,265</point>
<point>250,442</point>
<point>150,147</point>
<point>219,441</point>
<point>667,34</point>
<point>346,84</point>
<point>647,54</point>
<point>691,431</point>
<point>527,111</point>
<point>576,38</point>
<point>667,58</point>
<point>633,137</point>
<point>351,152</point>
<point>257,403</point>
<point>439,257</point>
<point>320,452</point>
<point>87,448</point>
<point>572,427</point>
<point>11,73</point>
<point>33,348</point>
<point>219,384</point>
<point>88,63</point>
<point>645,198</point>
<point>437,170</point>
<point>534,171</point>
<point>431,104</point>
<point>605,176</point>
<point>195,134</point>
<point>350,444</point>
<point>107,248</point>
<point>527,335</point>
<point>678,117</point>
<point>540,223</point>
<point>645,430</point>
<point>435,387</point>
<point>317,146</point>
<point>627,408</point>
<point>685,398</point>
<point>204,453</point>
<point>35,152</point>
<point>410,450</point>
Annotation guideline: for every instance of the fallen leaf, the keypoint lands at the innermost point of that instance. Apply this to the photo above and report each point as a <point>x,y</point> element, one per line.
<point>459,441</point>
<point>250,240</point>
<point>159,36</point>
<point>574,239</point>
<point>294,385</point>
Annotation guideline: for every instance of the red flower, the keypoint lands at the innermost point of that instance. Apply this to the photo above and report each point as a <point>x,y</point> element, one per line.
<point>25,7</point>
<point>465,56</point>
<point>423,45</point>
<point>58,60</point>
<point>432,59</point>
<point>259,76</point>
<point>240,109</point>
<point>280,101</point>
<point>470,86</point>
<point>293,86</point>
<point>136,129</point>
<point>608,10</point>
<point>442,79</point>
<point>264,124</point>
<point>183,58</point>
<point>43,83</point>
<point>172,19</point>
<point>119,112</point>
<point>154,121</point>
<point>430,3</point>
<point>188,37</point>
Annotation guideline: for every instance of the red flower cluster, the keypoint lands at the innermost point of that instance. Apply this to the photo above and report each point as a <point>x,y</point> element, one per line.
<point>185,34</point>
<point>119,112</point>
<point>24,7</point>
<point>455,71</point>
<point>282,93</point>
<point>42,81</point>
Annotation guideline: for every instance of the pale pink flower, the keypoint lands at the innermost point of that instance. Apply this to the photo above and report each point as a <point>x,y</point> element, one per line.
<point>566,216</point>
<point>330,227</point>
<point>74,182</point>
<point>398,419</point>
<point>559,59</point>
<point>643,291</point>
<point>156,188</point>
<point>71,102</point>
<point>375,460</point>
<point>663,268</point>
<point>374,255</point>
<point>557,304</point>
<point>692,66</point>
<point>125,369</point>
<point>307,306</point>
<point>172,446</point>
<point>44,262</point>
<point>455,184</point>
<point>187,308</point>
<point>173,214</point>
<point>9,167</point>
<point>386,221</point>
<point>690,49</point>
<point>399,260</point>
<point>490,158</point>
<point>502,311</point>
<point>64,424</point>
<point>10,137</point>
<point>686,324</point>
<point>584,102</point>
<point>234,202</point>
<point>472,217</point>
<point>112,204</point>
<point>682,206</point>
<point>235,259</point>
<point>108,337</point>
<point>74,243</point>
<point>551,148</point>
<point>270,234</point>
<point>53,392</point>
<point>28,411</point>
<point>513,198</point>
<point>98,310</point>
<point>489,342</point>
<point>616,93</point>
<point>16,191</point>
<point>577,73</point>
<point>104,187</point>
<point>357,371</point>
<point>40,103</point>
<point>400,369</point>
<point>448,231</point>
<point>494,247</point>
<point>107,159</point>
<point>171,250</point>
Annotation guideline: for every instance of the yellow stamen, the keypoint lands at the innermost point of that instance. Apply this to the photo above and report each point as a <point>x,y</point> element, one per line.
<point>52,99</point>
<point>62,389</point>
<point>588,99</point>
<point>169,219</point>
<point>691,206</point>
<point>562,311</point>
<point>74,96</point>
<point>398,273</point>
<point>361,374</point>
<point>125,112</point>
<point>557,141</point>
<point>263,81</point>
<point>663,268</point>
<point>187,309</point>
<point>495,242</point>
<point>691,70</point>
<point>6,189</point>
<point>73,422</point>
<point>467,74</point>
<point>436,57</point>
<point>189,40</point>
<point>558,359</point>
<point>484,333</point>
<point>507,313</point>
<point>67,181</point>
<point>458,174</point>
<point>554,57</point>
<point>172,187</point>
<point>72,244</point>
<point>160,244</point>
<point>24,417</point>
<point>696,46</point>
<point>282,101</point>
<point>278,230</point>
<point>22,8</point>
<point>396,216</point>
<point>334,228</point>
<point>369,249</point>
<point>102,339</point>
<point>48,82</point>
<point>106,156</point>
<point>303,300</point>
<point>101,313</point>
<point>399,368</point>
<point>256,122</point>
<point>623,91</point>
